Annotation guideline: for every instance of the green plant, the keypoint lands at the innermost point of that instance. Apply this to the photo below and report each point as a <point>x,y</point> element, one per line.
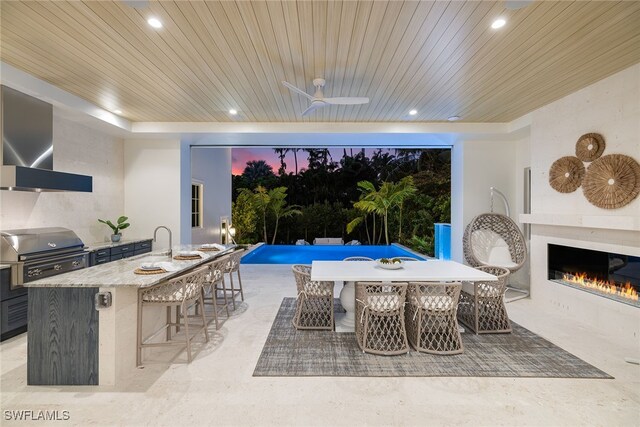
<point>121,224</point>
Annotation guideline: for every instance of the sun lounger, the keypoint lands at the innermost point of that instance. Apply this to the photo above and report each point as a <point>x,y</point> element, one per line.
<point>328,241</point>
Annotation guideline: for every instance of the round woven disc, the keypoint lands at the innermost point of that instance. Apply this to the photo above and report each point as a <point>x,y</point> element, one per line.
<point>590,146</point>
<point>565,174</point>
<point>612,181</point>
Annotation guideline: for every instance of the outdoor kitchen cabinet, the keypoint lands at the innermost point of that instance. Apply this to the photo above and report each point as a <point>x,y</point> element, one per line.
<point>119,251</point>
<point>13,307</point>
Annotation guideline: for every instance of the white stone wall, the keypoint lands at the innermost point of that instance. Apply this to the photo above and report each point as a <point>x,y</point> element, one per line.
<point>152,188</point>
<point>211,166</point>
<point>610,107</point>
<point>77,149</point>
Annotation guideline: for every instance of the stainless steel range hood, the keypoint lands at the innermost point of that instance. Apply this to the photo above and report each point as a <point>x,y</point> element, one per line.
<point>27,147</point>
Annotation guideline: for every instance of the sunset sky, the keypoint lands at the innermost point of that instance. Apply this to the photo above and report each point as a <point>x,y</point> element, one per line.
<point>240,157</point>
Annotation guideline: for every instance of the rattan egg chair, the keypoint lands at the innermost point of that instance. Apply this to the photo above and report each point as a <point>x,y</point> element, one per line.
<point>493,239</point>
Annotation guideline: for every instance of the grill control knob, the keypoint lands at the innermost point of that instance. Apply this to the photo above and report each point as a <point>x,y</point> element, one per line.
<point>75,263</point>
<point>57,267</point>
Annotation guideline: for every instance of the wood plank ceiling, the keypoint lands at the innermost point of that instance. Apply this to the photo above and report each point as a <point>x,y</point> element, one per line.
<point>440,58</point>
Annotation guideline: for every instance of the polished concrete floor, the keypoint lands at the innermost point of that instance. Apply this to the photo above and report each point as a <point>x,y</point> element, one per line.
<point>217,387</point>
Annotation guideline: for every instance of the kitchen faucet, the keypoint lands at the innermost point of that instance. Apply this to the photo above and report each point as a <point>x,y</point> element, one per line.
<point>155,238</point>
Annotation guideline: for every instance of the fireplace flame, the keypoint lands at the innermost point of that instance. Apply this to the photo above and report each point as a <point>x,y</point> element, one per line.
<point>608,287</point>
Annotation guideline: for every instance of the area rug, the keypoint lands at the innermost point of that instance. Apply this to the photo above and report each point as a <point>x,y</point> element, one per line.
<point>288,352</point>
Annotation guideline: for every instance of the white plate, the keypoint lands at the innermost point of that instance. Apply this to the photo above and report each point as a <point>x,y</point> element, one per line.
<point>188,253</point>
<point>149,267</point>
<point>390,266</point>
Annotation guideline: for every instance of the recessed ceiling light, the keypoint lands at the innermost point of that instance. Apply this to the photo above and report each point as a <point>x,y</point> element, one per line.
<point>117,111</point>
<point>233,112</point>
<point>454,118</point>
<point>413,112</point>
<point>154,22</point>
<point>498,23</point>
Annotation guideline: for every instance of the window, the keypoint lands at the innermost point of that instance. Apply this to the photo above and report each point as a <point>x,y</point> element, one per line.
<point>196,205</point>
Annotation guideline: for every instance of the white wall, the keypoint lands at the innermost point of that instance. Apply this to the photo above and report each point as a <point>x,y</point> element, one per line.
<point>152,188</point>
<point>610,107</point>
<point>475,167</point>
<point>212,167</point>
<point>77,149</point>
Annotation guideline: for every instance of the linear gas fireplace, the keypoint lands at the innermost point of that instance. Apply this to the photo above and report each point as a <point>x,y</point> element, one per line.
<point>607,274</point>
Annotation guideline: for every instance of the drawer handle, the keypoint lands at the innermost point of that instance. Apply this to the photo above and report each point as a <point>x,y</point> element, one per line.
<point>102,253</point>
<point>124,249</point>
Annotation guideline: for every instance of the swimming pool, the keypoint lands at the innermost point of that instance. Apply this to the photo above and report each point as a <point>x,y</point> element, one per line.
<point>292,254</point>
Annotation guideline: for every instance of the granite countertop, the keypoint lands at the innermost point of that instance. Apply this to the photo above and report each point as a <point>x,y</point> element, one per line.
<point>103,245</point>
<point>120,273</point>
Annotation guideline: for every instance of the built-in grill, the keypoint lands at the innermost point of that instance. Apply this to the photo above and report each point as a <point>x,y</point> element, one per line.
<point>37,253</point>
<point>32,254</point>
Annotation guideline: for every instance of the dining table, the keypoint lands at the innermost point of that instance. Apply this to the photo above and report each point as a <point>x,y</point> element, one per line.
<point>350,272</point>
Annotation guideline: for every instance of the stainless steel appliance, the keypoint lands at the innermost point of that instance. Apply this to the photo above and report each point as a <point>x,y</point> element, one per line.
<point>33,254</point>
<point>27,147</point>
<point>41,252</point>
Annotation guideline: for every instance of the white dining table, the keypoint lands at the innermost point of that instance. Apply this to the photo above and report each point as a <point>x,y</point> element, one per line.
<point>368,271</point>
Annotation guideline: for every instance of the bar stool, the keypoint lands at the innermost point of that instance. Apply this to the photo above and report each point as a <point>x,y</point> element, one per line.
<point>213,281</point>
<point>380,327</point>
<point>431,317</point>
<point>232,266</point>
<point>182,292</point>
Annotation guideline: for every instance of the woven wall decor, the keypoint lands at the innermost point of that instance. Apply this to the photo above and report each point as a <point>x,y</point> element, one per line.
<point>565,174</point>
<point>590,146</point>
<point>612,181</point>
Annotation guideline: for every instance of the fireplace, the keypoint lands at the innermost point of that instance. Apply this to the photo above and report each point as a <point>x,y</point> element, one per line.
<point>611,275</point>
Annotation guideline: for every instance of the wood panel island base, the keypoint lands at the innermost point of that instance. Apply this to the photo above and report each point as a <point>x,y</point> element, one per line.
<point>72,343</point>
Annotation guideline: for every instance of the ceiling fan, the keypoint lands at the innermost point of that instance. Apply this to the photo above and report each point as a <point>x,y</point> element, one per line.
<point>318,100</point>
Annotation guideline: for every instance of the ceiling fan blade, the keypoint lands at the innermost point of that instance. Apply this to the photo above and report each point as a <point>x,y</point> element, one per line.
<point>346,101</point>
<point>517,4</point>
<point>313,107</point>
<point>298,91</point>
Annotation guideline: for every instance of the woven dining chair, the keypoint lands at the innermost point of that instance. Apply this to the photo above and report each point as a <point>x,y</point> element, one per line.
<point>314,305</point>
<point>182,292</point>
<point>481,307</point>
<point>431,317</point>
<point>380,323</point>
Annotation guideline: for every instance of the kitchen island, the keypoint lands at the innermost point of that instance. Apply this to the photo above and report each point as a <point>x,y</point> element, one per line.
<point>72,341</point>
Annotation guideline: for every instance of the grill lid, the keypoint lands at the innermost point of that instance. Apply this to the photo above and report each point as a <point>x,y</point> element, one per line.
<point>16,243</point>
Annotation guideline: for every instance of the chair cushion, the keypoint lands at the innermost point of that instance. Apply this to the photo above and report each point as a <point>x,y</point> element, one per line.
<point>491,249</point>
<point>163,295</point>
<point>436,302</point>
<point>383,302</point>
<point>485,289</point>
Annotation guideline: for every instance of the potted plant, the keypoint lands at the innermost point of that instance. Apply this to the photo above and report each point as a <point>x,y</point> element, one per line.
<point>121,224</point>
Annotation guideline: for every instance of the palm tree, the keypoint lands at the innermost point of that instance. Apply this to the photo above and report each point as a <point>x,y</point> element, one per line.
<point>405,189</point>
<point>380,202</point>
<point>278,205</point>
<point>262,199</point>
<point>257,172</point>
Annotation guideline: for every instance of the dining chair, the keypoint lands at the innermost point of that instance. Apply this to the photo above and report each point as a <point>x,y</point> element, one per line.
<point>380,320</point>
<point>182,292</point>
<point>431,317</point>
<point>481,306</point>
<point>314,305</point>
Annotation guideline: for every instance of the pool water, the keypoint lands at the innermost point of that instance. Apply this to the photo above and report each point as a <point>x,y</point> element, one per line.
<point>293,254</point>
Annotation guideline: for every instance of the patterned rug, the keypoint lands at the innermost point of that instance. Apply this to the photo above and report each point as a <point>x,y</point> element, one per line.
<point>288,352</point>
